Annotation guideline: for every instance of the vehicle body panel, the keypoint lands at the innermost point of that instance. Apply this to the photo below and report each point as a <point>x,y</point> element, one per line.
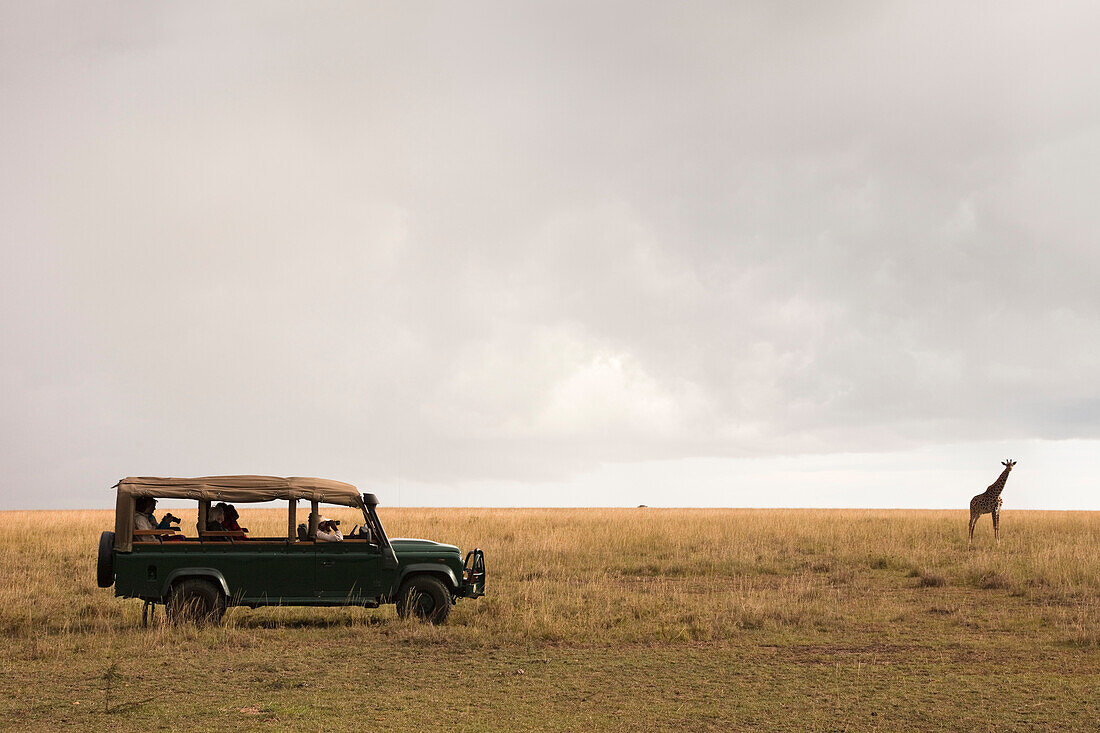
<point>260,573</point>
<point>432,558</point>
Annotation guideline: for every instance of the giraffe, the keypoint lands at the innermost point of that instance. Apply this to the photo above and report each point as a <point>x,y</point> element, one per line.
<point>989,502</point>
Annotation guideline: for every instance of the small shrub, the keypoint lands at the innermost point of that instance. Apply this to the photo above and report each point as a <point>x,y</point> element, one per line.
<point>885,562</point>
<point>1083,639</point>
<point>989,580</point>
<point>927,579</point>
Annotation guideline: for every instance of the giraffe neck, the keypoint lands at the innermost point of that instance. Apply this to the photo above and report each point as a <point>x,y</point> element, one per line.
<point>997,486</point>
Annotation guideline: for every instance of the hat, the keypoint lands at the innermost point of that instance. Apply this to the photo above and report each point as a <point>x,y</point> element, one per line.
<point>322,520</point>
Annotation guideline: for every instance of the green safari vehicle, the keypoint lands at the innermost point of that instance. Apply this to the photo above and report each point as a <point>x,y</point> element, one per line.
<point>197,578</point>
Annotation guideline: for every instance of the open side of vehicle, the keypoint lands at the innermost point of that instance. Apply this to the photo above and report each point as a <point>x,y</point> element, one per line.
<point>198,578</point>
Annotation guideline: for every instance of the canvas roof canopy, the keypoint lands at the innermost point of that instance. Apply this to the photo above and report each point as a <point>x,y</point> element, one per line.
<point>243,489</point>
<point>232,489</point>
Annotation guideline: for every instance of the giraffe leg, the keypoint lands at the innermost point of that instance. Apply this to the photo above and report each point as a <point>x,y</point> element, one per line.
<point>973,521</point>
<point>997,526</point>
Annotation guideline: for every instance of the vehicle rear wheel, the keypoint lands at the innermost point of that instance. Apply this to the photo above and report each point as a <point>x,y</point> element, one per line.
<point>105,564</point>
<point>424,597</point>
<point>195,600</point>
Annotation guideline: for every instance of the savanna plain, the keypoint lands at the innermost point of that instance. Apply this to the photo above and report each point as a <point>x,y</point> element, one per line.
<point>608,619</point>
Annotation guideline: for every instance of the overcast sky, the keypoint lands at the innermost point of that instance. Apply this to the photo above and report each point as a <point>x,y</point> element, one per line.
<point>736,254</point>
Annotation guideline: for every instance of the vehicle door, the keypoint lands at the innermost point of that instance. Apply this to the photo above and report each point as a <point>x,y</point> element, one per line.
<point>268,571</point>
<point>348,571</point>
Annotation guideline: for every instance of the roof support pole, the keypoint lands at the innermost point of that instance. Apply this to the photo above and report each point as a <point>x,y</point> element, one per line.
<point>314,516</point>
<point>204,509</point>
<point>291,520</point>
<point>124,522</point>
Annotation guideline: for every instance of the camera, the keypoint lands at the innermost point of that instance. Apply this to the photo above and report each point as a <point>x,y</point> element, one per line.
<point>167,521</point>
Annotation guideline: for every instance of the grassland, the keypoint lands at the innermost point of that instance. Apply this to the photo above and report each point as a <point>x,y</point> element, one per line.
<point>633,619</point>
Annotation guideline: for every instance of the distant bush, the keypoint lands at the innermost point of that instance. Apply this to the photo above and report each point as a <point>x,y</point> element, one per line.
<point>927,579</point>
<point>989,580</point>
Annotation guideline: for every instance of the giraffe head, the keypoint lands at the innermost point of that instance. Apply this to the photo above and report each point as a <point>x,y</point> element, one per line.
<point>1008,464</point>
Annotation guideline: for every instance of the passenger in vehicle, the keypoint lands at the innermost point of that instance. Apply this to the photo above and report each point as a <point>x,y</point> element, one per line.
<point>215,518</point>
<point>328,531</point>
<point>143,513</point>
<point>231,517</point>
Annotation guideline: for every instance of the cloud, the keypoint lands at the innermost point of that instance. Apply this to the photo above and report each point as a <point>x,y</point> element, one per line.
<point>516,243</point>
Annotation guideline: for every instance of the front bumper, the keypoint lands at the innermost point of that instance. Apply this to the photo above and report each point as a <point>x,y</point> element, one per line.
<point>473,575</point>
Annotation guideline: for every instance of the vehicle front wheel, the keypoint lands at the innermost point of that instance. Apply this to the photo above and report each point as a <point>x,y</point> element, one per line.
<point>195,600</point>
<point>424,597</point>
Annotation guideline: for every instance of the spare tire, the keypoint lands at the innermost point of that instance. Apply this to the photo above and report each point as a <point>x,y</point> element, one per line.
<point>105,565</point>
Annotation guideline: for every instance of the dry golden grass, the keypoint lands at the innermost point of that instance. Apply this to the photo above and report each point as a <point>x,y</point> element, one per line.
<point>781,591</point>
<point>640,574</point>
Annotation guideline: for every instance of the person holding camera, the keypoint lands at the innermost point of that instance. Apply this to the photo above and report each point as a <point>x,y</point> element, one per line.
<point>143,515</point>
<point>144,519</point>
<point>328,530</point>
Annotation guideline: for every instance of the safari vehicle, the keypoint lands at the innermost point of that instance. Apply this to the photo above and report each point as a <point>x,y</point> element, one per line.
<point>198,577</point>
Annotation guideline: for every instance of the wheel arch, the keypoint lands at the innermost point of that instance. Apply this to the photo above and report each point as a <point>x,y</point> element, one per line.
<point>212,574</point>
<point>442,572</point>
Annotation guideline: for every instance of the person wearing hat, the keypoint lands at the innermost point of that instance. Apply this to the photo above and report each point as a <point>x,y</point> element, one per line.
<point>328,531</point>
